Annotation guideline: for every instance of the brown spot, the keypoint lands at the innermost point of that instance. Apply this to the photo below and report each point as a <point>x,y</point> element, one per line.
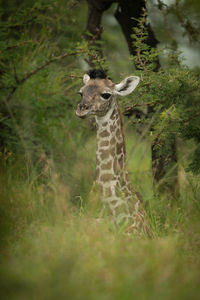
<point>125,191</point>
<point>118,133</point>
<point>106,177</point>
<point>108,192</point>
<point>112,151</point>
<point>104,143</point>
<point>121,209</point>
<point>114,201</point>
<point>119,148</point>
<point>105,124</point>
<point>115,166</point>
<point>121,161</point>
<point>127,177</point>
<point>97,172</point>
<point>112,128</point>
<point>122,182</point>
<point>105,154</point>
<point>130,187</point>
<point>104,133</point>
<point>118,122</point>
<point>113,141</point>
<point>124,188</point>
<point>107,166</point>
<point>97,161</point>
<point>113,116</point>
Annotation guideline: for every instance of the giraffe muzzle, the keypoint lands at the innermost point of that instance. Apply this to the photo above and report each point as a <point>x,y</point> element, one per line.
<point>83,110</point>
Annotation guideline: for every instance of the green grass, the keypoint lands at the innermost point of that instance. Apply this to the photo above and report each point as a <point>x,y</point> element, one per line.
<point>53,247</point>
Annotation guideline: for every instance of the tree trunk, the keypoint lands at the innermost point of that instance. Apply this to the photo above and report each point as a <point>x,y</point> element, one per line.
<point>93,27</point>
<point>126,10</point>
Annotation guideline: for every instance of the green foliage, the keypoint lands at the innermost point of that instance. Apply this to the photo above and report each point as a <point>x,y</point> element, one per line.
<point>40,57</point>
<point>173,92</point>
<point>39,74</point>
<point>146,57</point>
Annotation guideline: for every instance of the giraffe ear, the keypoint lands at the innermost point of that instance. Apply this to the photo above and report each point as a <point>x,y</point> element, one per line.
<point>86,78</point>
<point>127,85</point>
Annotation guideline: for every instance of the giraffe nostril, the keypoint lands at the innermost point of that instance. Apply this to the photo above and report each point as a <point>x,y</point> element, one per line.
<point>84,106</point>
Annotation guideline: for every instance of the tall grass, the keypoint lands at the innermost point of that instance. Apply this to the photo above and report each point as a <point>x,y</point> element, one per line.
<point>54,247</point>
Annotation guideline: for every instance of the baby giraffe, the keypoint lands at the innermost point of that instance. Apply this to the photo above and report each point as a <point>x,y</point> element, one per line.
<point>98,98</point>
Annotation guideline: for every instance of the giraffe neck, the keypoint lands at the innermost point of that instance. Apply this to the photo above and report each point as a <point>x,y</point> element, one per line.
<point>112,175</point>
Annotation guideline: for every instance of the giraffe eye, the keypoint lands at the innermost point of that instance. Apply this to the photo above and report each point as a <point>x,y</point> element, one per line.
<point>106,96</point>
<point>80,93</point>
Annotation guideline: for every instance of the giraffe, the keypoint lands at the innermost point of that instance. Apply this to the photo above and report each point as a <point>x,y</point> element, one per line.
<point>99,98</point>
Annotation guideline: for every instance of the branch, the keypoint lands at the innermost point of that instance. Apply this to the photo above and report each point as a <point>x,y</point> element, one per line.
<point>94,29</point>
<point>56,58</point>
<point>142,30</point>
<point>46,64</point>
<point>17,45</point>
<point>139,105</point>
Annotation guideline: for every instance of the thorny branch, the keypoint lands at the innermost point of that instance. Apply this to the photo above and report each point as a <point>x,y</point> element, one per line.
<point>17,45</point>
<point>139,50</point>
<point>131,109</point>
<point>56,58</point>
<point>52,60</point>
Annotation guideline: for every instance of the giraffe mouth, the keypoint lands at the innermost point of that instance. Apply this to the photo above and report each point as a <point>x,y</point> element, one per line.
<point>87,113</point>
<point>83,113</point>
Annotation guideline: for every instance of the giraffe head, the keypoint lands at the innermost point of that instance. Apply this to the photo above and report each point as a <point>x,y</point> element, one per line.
<point>98,94</point>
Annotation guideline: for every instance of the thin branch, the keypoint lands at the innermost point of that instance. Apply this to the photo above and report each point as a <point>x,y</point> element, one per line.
<point>11,93</point>
<point>56,58</point>
<point>142,30</point>
<point>17,45</point>
<point>15,73</point>
<point>138,105</point>
<point>46,64</point>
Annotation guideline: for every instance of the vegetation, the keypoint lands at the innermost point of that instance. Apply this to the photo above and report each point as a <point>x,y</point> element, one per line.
<point>53,244</point>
